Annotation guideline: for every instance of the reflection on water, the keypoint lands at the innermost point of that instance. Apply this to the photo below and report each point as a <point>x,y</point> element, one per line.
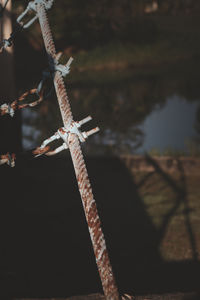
<point>135,113</point>
<point>171,126</point>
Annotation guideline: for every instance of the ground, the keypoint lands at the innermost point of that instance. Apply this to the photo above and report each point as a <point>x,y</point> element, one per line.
<point>151,222</point>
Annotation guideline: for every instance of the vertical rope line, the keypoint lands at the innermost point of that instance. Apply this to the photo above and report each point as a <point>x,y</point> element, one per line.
<point>89,204</point>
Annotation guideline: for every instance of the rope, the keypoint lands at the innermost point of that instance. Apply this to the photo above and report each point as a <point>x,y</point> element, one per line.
<point>72,136</point>
<point>40,92</point>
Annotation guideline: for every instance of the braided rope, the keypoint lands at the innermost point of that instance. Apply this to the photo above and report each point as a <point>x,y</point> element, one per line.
<point>10,108</point>
<point>40,92</point>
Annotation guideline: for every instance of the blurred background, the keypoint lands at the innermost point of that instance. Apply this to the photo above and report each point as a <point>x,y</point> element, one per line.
<point>136,72</point>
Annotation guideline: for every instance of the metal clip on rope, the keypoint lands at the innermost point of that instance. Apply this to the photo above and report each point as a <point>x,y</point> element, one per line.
<point>63,69</point>
<point>32,7</point>
<point>63,133</point>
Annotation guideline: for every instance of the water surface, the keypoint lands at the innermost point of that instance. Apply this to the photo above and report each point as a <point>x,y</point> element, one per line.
<point>171,126</point>
<point>136,111</point>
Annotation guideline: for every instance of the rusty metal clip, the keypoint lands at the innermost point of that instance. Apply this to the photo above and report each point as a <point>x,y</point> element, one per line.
<point>57,150</point>
<point>44,148</point>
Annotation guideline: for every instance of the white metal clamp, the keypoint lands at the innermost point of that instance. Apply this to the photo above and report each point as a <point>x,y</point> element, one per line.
<point>32,7</point>
<point>63,69</point>
<point>63,133</point>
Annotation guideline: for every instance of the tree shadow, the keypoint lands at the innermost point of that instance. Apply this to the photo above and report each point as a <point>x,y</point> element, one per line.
<point>46,249</point>
<point>181,193</point>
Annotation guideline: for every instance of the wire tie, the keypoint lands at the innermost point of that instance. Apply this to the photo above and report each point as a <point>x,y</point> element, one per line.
<point>63,133</point>
<point>63,69</point>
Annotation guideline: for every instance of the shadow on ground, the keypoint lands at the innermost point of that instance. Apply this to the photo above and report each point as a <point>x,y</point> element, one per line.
<point>45,246</point>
